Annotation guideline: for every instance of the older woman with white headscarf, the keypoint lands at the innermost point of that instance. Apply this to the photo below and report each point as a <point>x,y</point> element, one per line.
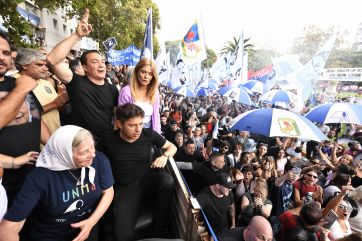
<point>68,192</point>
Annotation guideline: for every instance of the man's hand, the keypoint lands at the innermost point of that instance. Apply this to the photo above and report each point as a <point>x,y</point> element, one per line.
<point>62,99</point>
<point>26,83</point>
<point>83,28</point>
<point>159,162</point>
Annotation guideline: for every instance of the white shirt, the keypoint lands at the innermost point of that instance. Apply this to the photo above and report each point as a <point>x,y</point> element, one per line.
<point>147,108</point>
<point>337,232</point>
<point>3,201</point>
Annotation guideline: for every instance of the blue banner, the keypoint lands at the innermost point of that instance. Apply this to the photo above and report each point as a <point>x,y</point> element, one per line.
<point>129,56</point>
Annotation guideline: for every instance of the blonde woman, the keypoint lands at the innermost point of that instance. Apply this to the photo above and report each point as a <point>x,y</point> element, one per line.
<point>255,203</point>
<point>143,91</point>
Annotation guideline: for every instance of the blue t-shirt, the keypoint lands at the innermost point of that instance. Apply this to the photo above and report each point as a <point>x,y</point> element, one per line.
<point>55,201</point>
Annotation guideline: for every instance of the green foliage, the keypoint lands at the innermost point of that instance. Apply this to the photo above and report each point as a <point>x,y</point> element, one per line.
<point>232,46</point>
<point>123,19</point>
<point>260,58</point>
<point>313,38</point>
<point>210,59</point>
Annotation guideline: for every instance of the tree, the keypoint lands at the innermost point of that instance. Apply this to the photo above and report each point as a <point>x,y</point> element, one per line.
<point>260,58</point>
<point>123,19</point>
<point>313,38</point>
<point>232,46</point>
<point>210,58</point>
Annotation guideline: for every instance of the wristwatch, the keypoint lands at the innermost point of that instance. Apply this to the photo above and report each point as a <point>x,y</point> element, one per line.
<point>166,155</point>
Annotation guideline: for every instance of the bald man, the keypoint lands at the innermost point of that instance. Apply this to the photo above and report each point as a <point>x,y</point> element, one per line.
<point>259,229</point>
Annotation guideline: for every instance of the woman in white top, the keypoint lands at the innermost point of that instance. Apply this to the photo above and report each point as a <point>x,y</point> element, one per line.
<point>341,227</point>
<point>280,160</point>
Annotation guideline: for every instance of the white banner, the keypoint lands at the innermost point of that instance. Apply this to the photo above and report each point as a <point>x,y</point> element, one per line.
<point>342,74</point>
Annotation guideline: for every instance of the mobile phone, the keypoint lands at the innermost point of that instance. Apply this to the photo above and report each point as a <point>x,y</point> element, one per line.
<point>330,218</point>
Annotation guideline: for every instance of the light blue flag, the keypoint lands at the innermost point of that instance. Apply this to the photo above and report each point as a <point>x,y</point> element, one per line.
<point>147,51</point>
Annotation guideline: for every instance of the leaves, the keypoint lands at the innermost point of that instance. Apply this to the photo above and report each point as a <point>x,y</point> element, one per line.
<point>123,19</point>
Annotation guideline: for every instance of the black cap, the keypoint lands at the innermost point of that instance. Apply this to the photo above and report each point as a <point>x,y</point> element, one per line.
<point>225,180</point>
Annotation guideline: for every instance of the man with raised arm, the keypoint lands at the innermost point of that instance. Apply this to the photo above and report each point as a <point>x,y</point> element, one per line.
<point>93,99</point>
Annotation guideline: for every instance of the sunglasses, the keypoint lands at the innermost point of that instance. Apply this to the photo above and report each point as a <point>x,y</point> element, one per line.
<point>310,175</point>
<point>344,207</point>
<point>225,147</point>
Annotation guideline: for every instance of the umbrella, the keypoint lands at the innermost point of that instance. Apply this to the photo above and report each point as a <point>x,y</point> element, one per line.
<point>276,96</point>
<point>236,93</point>
<point>209,84</point>
<point>277,122</point>
<point>336,113</point>
<point>203,92</point>
<point>256,86</point>
<point>185,91</point>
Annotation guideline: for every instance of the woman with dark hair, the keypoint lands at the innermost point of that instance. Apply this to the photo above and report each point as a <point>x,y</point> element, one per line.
<point>335,186</point>
<point>280,160</point>
<point>260,154</point>
<point>306,185</point>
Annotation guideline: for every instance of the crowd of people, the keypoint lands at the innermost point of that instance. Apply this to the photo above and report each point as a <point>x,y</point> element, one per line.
<point>82,142</point>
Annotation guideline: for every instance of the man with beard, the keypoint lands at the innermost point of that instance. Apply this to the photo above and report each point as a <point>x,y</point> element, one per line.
<point>20,124</point>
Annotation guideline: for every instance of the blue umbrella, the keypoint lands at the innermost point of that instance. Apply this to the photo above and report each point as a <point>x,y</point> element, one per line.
<point>277,122</point>
<point>277,96</point>
<point>256,86</point>
<point>236,93</point>
<point>203,92</point>
<point>209,84</point>
<point>185,91</point>
<point>336,113</point>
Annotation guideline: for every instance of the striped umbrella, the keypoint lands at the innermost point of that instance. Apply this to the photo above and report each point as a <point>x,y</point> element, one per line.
<point>336,113</point>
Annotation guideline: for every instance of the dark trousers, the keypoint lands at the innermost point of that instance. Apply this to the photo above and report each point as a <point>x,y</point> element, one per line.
<point>128,200</point>
<point>311,149</point>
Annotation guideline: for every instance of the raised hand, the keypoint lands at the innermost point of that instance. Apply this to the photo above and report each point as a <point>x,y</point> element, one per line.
<point>83,28</point>
<point>26,83</point>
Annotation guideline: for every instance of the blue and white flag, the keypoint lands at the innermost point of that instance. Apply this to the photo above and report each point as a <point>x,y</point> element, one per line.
<point>129,56</point>
<point>147,51</point>
<point>309,74</point>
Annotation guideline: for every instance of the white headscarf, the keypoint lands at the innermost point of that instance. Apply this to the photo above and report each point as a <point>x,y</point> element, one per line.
<point>57,155</point>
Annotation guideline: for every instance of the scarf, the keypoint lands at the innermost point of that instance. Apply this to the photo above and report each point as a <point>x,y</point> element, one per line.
<point>57,155</point>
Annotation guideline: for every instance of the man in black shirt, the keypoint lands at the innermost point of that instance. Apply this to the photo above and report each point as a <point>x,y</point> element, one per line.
<point>92,98</point>
<point>218,203</point>
<point>189,153</point>
<point>20,122</point>
<point>171,131</point>
<point>129,151</point>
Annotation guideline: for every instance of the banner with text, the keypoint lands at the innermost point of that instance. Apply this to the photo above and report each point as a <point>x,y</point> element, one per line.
<point>342,74</point>
<point>129,56</point>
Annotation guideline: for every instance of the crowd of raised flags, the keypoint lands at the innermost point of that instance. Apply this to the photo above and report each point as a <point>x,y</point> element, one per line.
<point>186,76</point>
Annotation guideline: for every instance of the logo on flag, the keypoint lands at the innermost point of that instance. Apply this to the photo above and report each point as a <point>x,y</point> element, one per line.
<point>288,126</point>
<point>192,45</point>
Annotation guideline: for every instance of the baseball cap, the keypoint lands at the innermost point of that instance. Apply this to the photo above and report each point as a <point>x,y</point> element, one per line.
<point>225,180</point>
